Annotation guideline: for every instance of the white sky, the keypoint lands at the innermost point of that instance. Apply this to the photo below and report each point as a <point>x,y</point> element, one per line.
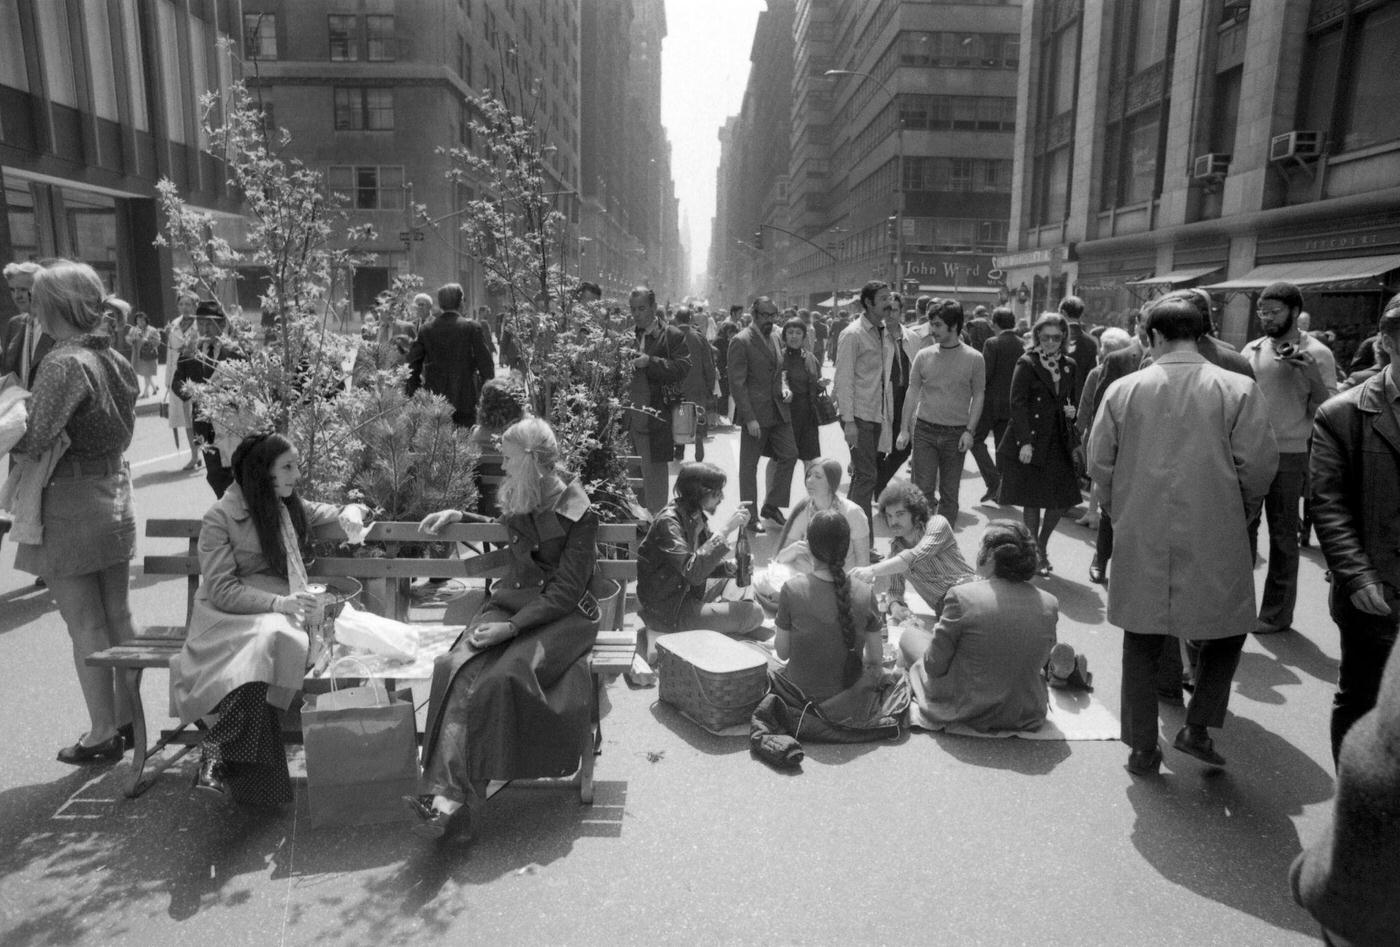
<point>704,67</point>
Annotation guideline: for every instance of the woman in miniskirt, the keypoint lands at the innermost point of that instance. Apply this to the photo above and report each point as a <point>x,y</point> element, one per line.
<point>84,534</point>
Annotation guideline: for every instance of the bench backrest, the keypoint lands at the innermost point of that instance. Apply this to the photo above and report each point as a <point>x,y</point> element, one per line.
<point>490,471</point>
<point>614,538</point>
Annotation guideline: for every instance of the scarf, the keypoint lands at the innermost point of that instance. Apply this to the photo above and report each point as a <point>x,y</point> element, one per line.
<point>1051,363</point>
<point>296,569</point>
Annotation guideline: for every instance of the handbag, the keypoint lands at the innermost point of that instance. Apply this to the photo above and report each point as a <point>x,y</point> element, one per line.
<point>361,747</point>
<point>150,350</point>
<point>825,408</point>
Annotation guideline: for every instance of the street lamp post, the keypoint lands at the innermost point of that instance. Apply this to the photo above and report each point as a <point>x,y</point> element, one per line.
<point>834,260</point>
<point>899,169</point>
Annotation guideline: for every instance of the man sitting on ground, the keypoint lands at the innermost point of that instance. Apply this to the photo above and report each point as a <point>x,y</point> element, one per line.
<point>923,549</point>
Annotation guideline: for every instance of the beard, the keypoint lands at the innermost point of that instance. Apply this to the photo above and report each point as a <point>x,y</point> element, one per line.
<point>1277,329</point>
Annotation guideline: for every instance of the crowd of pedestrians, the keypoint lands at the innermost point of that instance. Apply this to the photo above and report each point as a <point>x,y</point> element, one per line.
<point>1184,446</point>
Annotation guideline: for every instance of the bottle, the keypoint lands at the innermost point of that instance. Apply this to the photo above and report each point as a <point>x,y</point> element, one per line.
<point>743,559</point>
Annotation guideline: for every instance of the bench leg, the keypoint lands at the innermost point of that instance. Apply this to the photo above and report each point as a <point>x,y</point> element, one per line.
<point>592,743</point>
<point>130,679</point>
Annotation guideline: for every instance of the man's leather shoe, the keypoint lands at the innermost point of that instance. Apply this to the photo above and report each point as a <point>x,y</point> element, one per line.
<point>1264,628</point>
<point>212,778</point>
<point>1145,763</point>
<point>1195,741</point>
<point>1096,575</point>
<point>771,512</point>
<point>108,751</point>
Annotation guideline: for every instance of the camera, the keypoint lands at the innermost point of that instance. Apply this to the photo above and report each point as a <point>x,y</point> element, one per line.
<point>1285,350</point>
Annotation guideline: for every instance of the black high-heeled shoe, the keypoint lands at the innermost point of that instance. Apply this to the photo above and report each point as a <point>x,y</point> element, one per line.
<point>128,734</point>
<point>108,751</point>
<point>212,778</point>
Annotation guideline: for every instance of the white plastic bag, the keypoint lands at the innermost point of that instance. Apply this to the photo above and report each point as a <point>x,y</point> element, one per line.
<point>365,631</point>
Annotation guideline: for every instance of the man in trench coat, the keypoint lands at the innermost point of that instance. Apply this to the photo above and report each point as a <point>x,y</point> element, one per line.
<point>1184,454</point>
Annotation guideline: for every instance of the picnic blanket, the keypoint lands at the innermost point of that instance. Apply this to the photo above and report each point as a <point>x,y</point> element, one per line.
<point>1072,715</point>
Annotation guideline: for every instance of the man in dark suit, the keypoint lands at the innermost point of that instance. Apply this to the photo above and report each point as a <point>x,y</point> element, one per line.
<point>1080,346</point>
<point>662,361</point>
<point>980,329</point>
<point>449,357</point>
<point>999,354</point>
<point>762,413</point>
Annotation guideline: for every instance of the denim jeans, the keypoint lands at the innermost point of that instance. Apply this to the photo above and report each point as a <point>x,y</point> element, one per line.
<point>938,466</point>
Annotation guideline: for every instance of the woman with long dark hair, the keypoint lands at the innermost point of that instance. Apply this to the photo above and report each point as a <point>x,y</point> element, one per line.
<point>829,631</point>
<point>247,650</point>
<point>511,699</point>
<point>1035,456</point>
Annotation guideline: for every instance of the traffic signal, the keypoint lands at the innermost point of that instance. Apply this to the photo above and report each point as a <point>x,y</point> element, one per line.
<point>892,228</point>
<point>758,239</point>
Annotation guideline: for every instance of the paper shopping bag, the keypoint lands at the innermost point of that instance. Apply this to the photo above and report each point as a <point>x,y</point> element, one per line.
<point>360,760</point>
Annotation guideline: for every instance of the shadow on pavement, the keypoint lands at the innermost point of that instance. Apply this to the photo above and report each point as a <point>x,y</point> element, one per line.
<point>697,736</point>
<point>1298,650</point>
<point>1027,757</point>
<point>21,606</point>
<point>522,830</point>
<point>1259,676</point>
<point>1229,836</point>
<point>154,477</point>
<point>1079,602</point>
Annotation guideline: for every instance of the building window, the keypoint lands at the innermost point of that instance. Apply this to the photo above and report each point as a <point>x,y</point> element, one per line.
<point>260,36</point>
<point>1366,81</point>
<point>1138,182</point>
<point>464,60</point>
<point>361,109</point>
<point>379,38</point>
<point>343,36</point>
<point>1152,25</point>
<point>368,187</point>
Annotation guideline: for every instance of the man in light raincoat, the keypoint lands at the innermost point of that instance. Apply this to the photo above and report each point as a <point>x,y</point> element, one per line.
<point>1184,454</point>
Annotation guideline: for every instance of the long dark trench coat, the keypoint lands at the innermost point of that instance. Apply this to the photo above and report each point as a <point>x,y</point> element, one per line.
<point>526,701</point>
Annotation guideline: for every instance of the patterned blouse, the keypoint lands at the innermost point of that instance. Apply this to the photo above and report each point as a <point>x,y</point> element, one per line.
<point>85,388</point>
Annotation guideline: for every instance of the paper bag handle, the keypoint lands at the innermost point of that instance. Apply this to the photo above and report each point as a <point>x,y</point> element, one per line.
<point>376,685</point>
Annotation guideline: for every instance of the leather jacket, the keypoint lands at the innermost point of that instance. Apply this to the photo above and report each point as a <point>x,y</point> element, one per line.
<point>1356,486</point>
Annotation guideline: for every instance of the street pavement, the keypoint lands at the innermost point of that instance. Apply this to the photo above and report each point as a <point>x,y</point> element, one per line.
<point>929,838</point>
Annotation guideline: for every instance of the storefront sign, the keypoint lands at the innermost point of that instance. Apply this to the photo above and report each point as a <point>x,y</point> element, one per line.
<point>1042,257</point>
<point>1379,235</point>
<point>952,269</point>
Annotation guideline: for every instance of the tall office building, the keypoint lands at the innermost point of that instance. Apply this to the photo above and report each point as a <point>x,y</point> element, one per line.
<point>371,91</point>
<point>98,101</point>
<point>1216,143</point>
<point>900,156</point>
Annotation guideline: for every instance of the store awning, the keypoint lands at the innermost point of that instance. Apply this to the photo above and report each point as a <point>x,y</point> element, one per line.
<point>843,302</point>
<point>1176,277</point>
<point>1361,272</point>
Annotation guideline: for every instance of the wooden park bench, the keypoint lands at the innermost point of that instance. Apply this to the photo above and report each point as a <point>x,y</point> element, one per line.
<point>157,645</point>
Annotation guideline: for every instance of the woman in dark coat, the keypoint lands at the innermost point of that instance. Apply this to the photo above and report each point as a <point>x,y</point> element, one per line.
<point>1035,455</point>
<point>511,699</point>
<point>803,377</point>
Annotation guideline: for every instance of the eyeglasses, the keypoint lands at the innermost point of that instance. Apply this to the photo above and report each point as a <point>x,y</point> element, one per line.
<point>1050,337</point>
<point>1272,311</point>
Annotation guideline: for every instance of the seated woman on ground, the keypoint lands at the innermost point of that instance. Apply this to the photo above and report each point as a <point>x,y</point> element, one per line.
<point>793,555</point>
<point>829,631</point>
<point>682,568</point>
<point>511,699</point>
<point>247,651</point>
<point>982,665</point>
<point>924,552</point>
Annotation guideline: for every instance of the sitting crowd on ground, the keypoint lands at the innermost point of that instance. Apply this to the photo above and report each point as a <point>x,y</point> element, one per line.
<point>510,699</point>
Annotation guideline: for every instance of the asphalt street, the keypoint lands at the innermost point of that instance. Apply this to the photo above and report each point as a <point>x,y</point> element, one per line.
<point>930,838</point>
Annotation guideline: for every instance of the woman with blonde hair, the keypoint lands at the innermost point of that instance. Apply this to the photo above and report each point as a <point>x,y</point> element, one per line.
<point>511,699</point>
<point>74,520</point>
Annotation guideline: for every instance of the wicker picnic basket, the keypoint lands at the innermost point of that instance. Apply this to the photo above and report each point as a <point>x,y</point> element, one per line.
<point>714,681</point>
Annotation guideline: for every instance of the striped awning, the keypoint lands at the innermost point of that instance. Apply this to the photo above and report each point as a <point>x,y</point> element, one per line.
<point>1361,273</point>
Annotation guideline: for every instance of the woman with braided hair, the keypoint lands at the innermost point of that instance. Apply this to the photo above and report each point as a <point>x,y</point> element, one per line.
<point>982,664</point>
<point>828,627</point>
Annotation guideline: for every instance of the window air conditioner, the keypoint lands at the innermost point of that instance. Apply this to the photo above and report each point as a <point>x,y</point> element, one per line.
<point>1210,166</point>
<point>1296,144</point>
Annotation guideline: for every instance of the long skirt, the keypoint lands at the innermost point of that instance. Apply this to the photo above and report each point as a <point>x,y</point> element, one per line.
<point>1047,484</point>
<point>519,710</point>
<point>247,739</point>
